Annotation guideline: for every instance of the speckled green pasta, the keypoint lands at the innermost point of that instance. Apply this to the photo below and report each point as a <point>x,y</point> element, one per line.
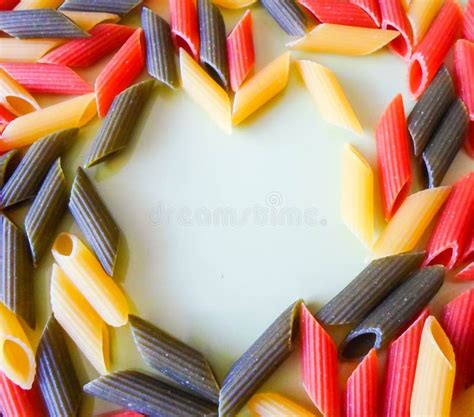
<point>369,288</point>
<point>120,7</point>
<point>28,176</point>
<point>95,221</point>
<point>288,15</point>
<point>5,161</point>
<point>256,365</point>
<point>160,61</point>
<point>446,143</point>
<point>430,109</point>
<point>46,211</point>
<point>174,359</point>
<point>213,43</point>
<point>394,313</point>
<point>144,394</point>
<point>39,23</point>
<point>16,281</point>
<point>119,123</point>
<point>55,373</point>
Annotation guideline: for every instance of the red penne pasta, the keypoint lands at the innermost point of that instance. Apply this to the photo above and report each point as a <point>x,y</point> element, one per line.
<point>240,51</point>
<point>8,4</point>
<point>400,369</point>
<point>361,388</point>
<point>17,402</point>
<point>184,26</point>
<point>340,12</point>
<point>47,78</point>
<point>431,51</point>
<point>393,156</point>
<point>121,413</point>
<point>5,118</point>
<point>105,38</point>
<point>457,320</point>
<point>467,273</point>
<point>469,142</point>
<point>464,66</point>
<point>371,7</point>
<point>468,29</point>
<point>451,233</point>
<point>120,72</point>
<point>319,365</point>
<point>394,17</point>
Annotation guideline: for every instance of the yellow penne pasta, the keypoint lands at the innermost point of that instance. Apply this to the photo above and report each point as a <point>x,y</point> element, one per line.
<point>357,194</point>
<point>406,4</point>
<point>17,359</point>
<point>275,405</point>
<point>261,88</point>
<point>25,50</point>
<point>87,274</point>
<point>80,321</point>
<point>68,114</point>
<point>420,14</point>
<point>205,92</point>
<point>234,4</point>
<point>329,96</point>
<point>410,221</point>
<point>38,4</point>
<point>344,40</point>
<point>14,96</point>
<point>435,371</point>
<point>463,404</point>
<point>87,20</point>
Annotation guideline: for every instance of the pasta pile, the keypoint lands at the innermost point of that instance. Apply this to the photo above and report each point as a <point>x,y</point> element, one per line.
<point>429,370</point>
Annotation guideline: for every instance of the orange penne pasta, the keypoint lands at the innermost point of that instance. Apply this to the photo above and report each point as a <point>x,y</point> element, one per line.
<point>14,97</point>
<point>275,405</point>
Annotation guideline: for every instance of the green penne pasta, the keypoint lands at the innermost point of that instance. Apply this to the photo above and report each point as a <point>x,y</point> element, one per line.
<point>16,283</point>
<point>160,61</point>
<point>430,109</point>
<point>39,23</point>
<point>394,313</point>
<point>95,221</point>
<point>256,365</point>
<point>144,394</point>
<point>46,211</point>
<point>56,374</point>
<point>288,15</point>
<point>5,162</point>
<point>369,288</point>
<point>446,143</point>
<point>120,7</point>
<point>28,176</point>
<point>213,43</point>
<point>119,123</point>
<point>174,359</point>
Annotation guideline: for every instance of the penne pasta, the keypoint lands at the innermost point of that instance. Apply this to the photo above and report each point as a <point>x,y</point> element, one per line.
<point>275,405</point>
<point>121,413</point>
<point>261,88</point>
<point>394,17</point>
<point>369,289</point>
<point>6,165</point>
<point>395,312</point>
<point>469,142</point>
<point>86,273</point>
<point>468,27</point>
<point>5,118</point>
<point>25,50</point>
<point>256,365</point>
<point>213,46</point>
<point>467,273</point>
<point>69,114</point>
<point>79,320</point>
<point>421,14</point>
<point>16,283</point>
<point>371,7</point>
<point>56,374</point>
<point>240,51</point>
<point>205,92</point>
<point>234,4</point>
<point>344,40</point>
<point>435,363</point>
<point>120,8</point>
<point>400,367</point>
<point>463,403</point>
<point>288,16</point>
<point>38,4</point>
<point>329,96</point>
<point>89,20</point>
<point>357,195</point>
<point>118,126</point>
<point>430,109</point>
<point>174,359</point>
<point>430,53</point>
<point>409,223</point>
<point>184,26</point>
<point>8,4</point>
<point>46,212</point>
<point>464,66</point>
<point>94,220</point>
<point>144,394</point>
<point>160,61</point>
<point>14,97</point>
<point>17,360</point>
<point>319,365</point>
